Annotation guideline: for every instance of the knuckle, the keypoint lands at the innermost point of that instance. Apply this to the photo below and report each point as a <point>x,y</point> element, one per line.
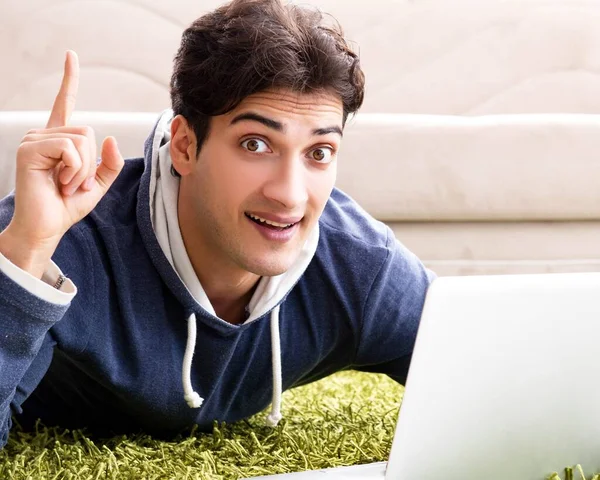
<point>23,148</point>
<point>70,151</point>
<point>65,143</point>
<point>77,161</point>
<point>88,132</point>
<point>80,142</point>
<point>24,153</point>
<point>83,130</point>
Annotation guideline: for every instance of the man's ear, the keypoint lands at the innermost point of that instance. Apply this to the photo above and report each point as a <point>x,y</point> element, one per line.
<point>183,145</point>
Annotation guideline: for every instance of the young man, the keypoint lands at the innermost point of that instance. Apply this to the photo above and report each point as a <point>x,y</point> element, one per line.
<point>197,283</point>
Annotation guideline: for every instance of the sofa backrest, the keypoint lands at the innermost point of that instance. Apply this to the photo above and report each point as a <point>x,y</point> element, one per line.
<point>470,57</point>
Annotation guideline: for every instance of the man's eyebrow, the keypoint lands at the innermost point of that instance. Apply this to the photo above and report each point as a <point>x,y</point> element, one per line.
<point>328,130</point>
<point>268,122</point>
<point>280,127</point>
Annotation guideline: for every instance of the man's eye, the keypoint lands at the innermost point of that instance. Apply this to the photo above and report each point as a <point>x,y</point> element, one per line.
<point>321,155</point>
<point>255,145</point>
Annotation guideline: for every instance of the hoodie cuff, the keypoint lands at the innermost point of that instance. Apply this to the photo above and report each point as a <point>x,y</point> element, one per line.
<point>43,288</point>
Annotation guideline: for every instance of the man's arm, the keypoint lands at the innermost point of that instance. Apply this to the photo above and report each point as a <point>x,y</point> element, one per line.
<point>24,325</point>
<point>57,184</point>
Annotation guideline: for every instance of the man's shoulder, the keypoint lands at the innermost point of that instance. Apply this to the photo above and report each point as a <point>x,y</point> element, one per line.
<point>128,181</point>
<point>119,205</point>
<point>357,253</point>
<point>344,221</point>
<point>352,244</point>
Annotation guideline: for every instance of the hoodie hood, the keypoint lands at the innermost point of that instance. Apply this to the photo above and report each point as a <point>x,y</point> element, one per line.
<point>161,190</point>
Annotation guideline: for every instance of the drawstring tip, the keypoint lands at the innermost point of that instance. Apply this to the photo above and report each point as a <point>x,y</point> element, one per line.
<point>193,400</point>
<point>273,419</point>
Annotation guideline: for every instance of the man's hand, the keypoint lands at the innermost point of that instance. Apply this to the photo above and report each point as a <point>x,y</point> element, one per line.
<point>58,182</point>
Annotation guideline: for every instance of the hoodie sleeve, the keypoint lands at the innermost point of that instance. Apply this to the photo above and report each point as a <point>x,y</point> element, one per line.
<point>41,288</point>
<point>24,324</point>
<point>392,313</point>
<point>28,309</point>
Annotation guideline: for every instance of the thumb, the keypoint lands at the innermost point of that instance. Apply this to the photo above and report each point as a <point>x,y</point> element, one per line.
<point>111,164</point>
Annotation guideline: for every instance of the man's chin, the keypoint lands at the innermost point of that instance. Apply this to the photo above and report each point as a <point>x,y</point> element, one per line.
<point>270,271</point>
<point>272,267</point>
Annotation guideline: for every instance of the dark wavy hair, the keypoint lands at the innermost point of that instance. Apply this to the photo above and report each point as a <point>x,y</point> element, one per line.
<point>248,46</point>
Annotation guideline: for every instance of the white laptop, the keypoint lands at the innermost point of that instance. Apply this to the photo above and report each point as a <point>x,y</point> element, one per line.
<point>504,383</point>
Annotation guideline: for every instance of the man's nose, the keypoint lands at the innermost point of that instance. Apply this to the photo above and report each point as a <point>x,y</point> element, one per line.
<point>288,183</point>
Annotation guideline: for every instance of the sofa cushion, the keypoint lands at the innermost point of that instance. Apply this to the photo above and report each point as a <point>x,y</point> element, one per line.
<point>488,168</point>
<point>460,248</point>
<point>421,167</point>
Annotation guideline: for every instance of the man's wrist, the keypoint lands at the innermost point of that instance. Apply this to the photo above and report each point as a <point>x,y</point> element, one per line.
<point>33,259</point>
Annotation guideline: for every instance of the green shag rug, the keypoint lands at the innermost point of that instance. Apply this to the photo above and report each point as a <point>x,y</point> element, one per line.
<point>345,419</point>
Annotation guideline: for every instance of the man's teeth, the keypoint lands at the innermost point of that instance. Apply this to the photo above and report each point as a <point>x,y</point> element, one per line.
<point>269,222</point>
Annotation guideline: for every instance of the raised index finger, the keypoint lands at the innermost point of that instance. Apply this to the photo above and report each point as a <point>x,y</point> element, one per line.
<point>64,104</point>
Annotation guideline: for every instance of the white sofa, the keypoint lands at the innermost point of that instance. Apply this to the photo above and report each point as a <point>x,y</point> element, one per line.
<point>478,141</point>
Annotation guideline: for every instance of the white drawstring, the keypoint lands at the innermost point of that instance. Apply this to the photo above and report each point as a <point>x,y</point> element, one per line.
<point>191,397</point>
<point>195,401</point>
<point>275,415</point>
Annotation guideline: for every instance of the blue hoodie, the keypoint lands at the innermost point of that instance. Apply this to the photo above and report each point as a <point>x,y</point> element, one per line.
<point>111,359</point>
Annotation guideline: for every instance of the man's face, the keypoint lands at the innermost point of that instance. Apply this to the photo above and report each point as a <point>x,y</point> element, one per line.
<point>262,179</point>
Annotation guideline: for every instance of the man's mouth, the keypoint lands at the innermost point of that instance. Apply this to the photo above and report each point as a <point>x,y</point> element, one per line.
<point>269,223</point>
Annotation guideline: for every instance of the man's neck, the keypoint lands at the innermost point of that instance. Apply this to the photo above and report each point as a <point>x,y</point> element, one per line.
<point>228,288</point>
<point>232,311</point>
<point>229,292</point>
